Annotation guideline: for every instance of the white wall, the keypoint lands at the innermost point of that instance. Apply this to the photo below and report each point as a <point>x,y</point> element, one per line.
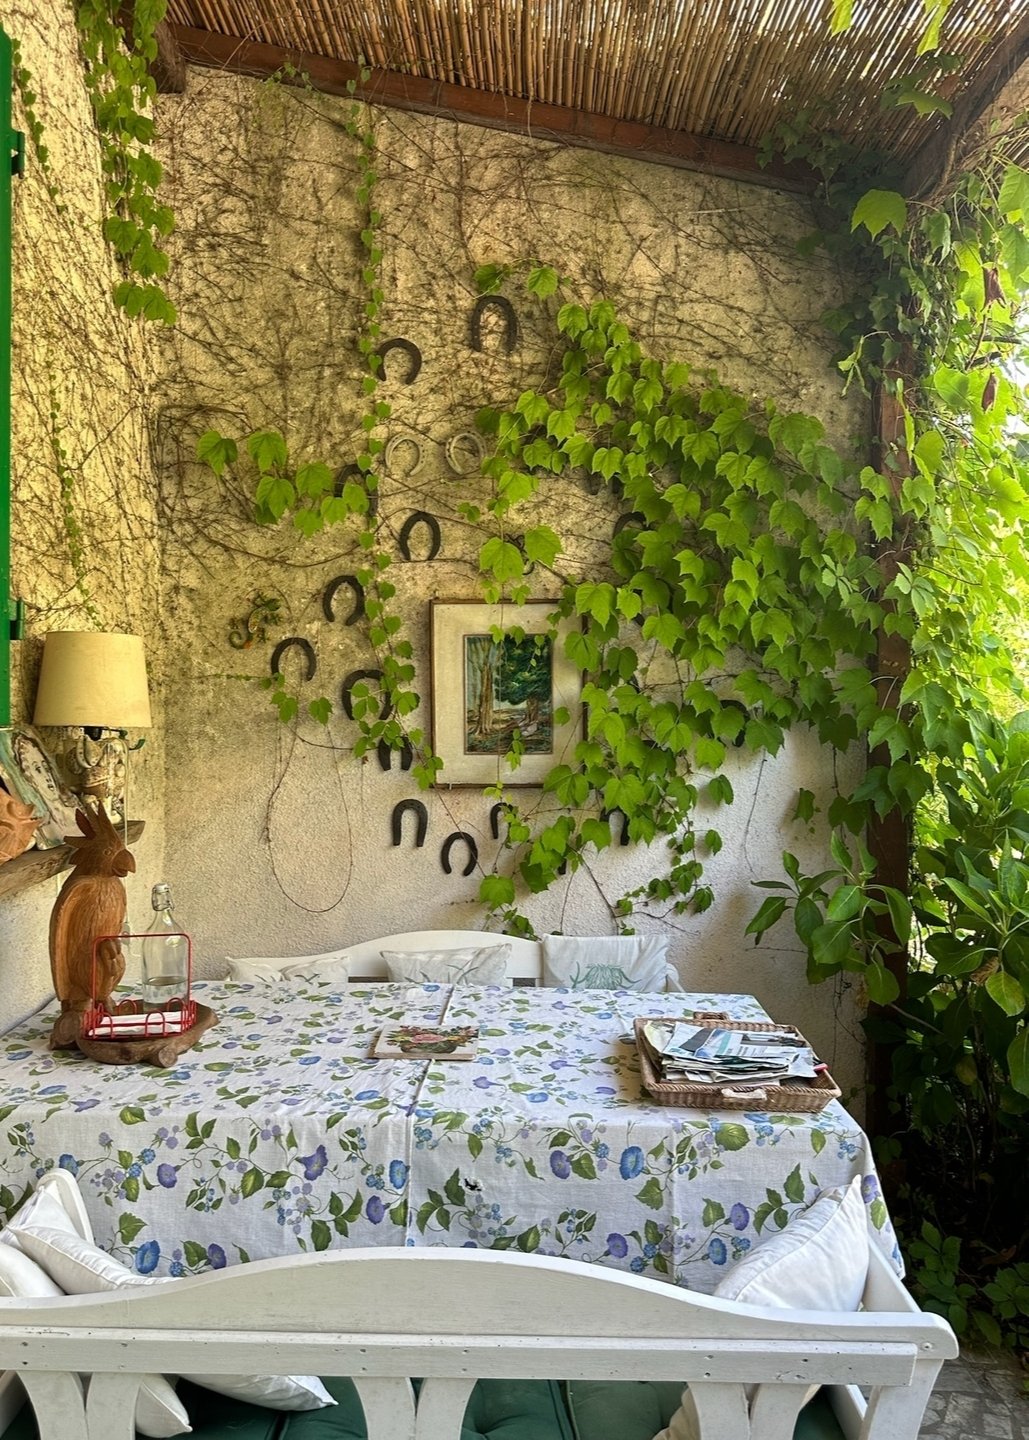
<point>278,839</point>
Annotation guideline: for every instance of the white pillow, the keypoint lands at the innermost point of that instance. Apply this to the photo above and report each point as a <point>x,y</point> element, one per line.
<point>22,1279</point>
<point>159,1411</point>
<point>275,1392</point>
<point>78,1266</point>
<point>486,965</point>
<point>81,1268</point>
<point>331,966</point>
<point>818,1262</point>
<point>608,962</point>
<point>58,1197</point>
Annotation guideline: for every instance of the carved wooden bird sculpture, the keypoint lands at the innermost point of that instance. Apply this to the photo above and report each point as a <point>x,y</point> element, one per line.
<point>91,903</point>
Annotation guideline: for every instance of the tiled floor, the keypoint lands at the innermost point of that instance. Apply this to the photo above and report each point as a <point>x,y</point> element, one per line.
<point>979,1397</point>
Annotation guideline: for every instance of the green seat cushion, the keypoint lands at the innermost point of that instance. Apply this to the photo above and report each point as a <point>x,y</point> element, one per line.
<point>497,1410</point>
<point>638,1409</point>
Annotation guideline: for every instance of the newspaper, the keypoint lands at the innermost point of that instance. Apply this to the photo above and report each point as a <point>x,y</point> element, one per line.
<point>711,1056</point>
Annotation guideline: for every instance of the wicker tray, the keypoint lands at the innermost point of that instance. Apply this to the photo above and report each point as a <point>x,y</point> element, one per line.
<point>790,1095</point>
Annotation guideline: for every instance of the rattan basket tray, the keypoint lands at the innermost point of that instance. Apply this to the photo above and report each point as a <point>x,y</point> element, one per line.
<point>790,1096</point>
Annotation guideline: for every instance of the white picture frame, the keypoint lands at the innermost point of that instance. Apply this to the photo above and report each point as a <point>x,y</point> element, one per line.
<point>530,679</point>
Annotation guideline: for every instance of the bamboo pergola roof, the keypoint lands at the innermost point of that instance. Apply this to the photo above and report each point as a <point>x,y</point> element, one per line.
<point>717,70</point>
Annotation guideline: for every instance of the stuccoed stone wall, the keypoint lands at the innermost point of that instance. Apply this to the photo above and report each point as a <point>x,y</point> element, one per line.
<point>79,382</point>
<point>278,838</point>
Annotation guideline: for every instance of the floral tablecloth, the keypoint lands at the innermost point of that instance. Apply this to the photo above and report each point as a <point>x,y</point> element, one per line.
<point>276,1133</point>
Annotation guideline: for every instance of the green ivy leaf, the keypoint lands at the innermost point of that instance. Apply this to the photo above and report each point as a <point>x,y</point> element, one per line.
<point>878,208</point>
<point>1014,193</point>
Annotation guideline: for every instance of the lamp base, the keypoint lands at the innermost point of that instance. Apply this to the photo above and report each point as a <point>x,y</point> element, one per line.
<point>97,770</point>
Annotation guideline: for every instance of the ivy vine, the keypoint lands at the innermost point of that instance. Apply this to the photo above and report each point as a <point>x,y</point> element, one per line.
<point>121,91</point>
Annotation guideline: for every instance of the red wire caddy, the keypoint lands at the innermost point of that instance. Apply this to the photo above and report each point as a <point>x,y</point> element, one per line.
<point>99,1023</point>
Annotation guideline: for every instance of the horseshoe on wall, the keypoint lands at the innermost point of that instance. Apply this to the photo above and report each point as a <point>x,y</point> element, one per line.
<point>349,681</point>
<point>393,444</point>
<point>507,311</point>
<point>410,349</point>
<point>329,595</point>
<point>420,517</point>
<point>623,835</point>
<point>344,474</point>
<point>448,845</point>
<point>396,822</point>
<point>631,517</point>
<point>386,752</point>
<point>451,452</point>
<point>496,811</point>
<point>306,648</point>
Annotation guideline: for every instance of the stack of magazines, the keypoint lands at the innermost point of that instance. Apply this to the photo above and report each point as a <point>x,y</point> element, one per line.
<point>710,1056</point>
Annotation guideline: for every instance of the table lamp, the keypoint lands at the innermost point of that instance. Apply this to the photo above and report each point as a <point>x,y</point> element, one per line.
<point>96,682</point>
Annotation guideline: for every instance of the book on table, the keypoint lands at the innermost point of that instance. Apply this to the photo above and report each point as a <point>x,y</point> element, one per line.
<point>426,1042</point>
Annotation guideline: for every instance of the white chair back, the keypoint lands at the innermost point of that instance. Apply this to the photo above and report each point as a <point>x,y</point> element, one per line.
<point>525,967</point>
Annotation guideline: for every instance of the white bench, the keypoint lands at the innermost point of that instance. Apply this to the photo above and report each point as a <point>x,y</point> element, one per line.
<point>453,1316</point>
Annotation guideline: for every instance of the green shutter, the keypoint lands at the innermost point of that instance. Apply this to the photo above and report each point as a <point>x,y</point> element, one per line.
<point>11,153</point>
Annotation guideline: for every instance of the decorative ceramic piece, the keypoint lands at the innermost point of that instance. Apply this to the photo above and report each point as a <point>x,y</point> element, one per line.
<point>29,774</point>
<point>17,826</point>
<point>91,903</point>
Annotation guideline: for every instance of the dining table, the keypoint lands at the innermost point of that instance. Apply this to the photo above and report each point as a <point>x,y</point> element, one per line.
<point>279,1132</point>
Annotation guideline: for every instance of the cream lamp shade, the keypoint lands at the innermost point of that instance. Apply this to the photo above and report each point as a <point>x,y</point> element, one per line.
<point>93,679</point>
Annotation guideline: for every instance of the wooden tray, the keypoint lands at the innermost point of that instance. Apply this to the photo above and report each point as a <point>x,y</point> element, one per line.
<point>161,1050</point>
<point>789,1095</point>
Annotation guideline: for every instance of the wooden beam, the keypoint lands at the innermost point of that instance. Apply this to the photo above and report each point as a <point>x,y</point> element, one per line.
<point>934,161</point>
<point>556,123</point>
<point>36,865</point>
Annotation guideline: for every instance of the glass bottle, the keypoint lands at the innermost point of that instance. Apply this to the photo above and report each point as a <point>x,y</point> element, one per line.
<point>165,955</point>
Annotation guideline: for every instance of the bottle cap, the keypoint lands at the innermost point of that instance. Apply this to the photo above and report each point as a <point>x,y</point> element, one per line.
<point>160,896</point>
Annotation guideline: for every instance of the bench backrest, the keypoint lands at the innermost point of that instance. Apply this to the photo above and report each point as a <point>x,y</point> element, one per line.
<point>524,967</point>
<point>454,1316</point>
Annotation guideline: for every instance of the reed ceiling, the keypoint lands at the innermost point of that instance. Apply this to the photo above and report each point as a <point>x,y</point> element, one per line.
<point>723,70</point>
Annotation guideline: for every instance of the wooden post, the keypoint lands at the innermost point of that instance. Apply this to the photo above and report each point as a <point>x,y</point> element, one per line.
<point>889,836</point>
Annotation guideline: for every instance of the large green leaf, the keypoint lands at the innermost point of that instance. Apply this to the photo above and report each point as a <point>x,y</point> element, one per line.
<point>1018,1061</point>
<point>1007,992</point>
<point>878,208</point>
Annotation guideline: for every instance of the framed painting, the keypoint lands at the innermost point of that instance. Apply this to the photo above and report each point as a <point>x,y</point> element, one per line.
<point>28,772</point>
<point>490,694</point>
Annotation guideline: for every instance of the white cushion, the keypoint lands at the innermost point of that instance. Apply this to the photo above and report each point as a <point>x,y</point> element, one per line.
<point>159,1411</point>
<point>276,1392</point>
<point>22,1279</point>
<point>332,966</point>
<point>608,962</point>
<point>81,1268</point>
<point>485,965</point>
<point>818,1262</point>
